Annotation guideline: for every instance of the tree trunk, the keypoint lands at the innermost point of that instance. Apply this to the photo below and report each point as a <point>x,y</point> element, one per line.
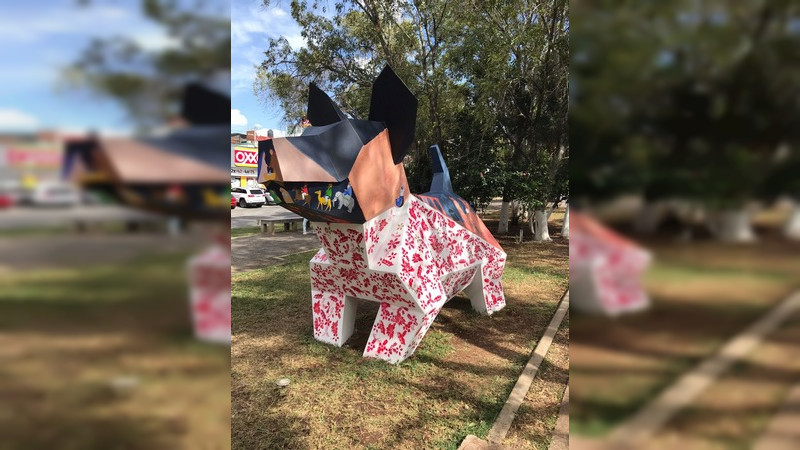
<point>515,213</point>
<point>733,226</point>
<point>505,209</point>
<point>648,218</point>
<point>538,223</point>
<point>792,228</point>
<point>565,227</point>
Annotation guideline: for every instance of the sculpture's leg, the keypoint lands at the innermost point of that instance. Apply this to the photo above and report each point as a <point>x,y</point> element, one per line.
<point>334,315</point>
<point>485,291</point>
<point>396,332</point>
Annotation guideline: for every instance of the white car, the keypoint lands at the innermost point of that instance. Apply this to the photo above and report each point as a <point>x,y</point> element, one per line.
<point>53,194</point>
<point>249,197</point>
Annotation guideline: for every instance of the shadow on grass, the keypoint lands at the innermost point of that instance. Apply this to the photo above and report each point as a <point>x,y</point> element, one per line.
<point>67,333</point>
<point>339,399</point>
<point>40,424</point>
<point>673,334</point>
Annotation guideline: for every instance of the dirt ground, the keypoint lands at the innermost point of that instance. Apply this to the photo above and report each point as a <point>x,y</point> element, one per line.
<point>703,293</point>
<point>102,356</point>
<point>454,384</point>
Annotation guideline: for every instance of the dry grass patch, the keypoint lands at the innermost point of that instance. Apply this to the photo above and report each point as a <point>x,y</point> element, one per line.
<point>536,417</point>
<point>702,294</point>
<point>454,384</point>
<point>69,335</point>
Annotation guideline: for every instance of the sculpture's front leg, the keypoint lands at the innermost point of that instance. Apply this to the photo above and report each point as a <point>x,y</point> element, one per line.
<point>334,315</point>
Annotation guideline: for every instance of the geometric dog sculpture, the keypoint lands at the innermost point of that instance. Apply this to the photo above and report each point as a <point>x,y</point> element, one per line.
<point>410,253</point>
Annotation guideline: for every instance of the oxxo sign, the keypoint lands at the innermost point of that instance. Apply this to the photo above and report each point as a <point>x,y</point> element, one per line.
<point>245,157</point>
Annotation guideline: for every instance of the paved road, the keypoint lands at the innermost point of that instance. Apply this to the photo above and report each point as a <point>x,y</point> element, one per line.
<point>248,217</point>
<point>49,252</point>
<point>25,217</point>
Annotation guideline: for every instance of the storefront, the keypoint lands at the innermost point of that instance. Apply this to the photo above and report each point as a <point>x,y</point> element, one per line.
<point>244,165</point>
<point>25,165</point>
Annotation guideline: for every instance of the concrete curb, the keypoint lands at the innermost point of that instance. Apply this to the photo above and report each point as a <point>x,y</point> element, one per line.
<point>560,437</point>
<point>783,432</point>
<point>506,417</point>
<point>680,394</point>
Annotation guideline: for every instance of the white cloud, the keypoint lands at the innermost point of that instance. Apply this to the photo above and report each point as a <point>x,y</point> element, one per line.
<point>258,125</point>
<point>16,120</point>
<point>237,118</point>
<point>242,77</point>
<point>155,41</point>
<point>297,41</point>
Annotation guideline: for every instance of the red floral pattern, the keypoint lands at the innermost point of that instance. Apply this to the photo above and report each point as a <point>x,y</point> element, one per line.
<point>613,271</point>
<point>411,260</point>
<point>210,294</point>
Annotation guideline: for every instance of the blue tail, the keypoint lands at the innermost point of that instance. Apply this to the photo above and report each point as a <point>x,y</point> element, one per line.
<point>441,176</point>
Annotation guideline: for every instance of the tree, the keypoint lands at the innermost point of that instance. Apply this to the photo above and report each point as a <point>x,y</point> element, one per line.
<point>149,84</point>
<point>345,52</point>
<point>521,74</point>
<point>491,81</point>
<point>695,106</point>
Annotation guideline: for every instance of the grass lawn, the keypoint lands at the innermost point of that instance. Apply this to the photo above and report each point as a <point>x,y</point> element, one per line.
<point>67,334</point>
<point>455,383</point>
<point>250,231</point>
<point>703,294</point>
<point>737,408</point>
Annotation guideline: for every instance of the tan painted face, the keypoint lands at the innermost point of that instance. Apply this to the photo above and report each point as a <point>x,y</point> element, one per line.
<point>290,164</point>
<point>375,178</point>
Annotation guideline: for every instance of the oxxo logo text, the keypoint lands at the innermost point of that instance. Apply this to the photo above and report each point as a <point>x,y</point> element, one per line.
<point>245,157</point>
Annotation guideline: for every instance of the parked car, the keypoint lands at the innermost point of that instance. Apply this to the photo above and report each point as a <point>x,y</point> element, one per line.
<point>53,194</point>
<point>6,200</point>
<point>249,197</point>
<point>233,202</point>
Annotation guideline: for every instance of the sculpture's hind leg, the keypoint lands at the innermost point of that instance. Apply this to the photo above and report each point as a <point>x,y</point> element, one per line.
<point>396,332</point>
<point>485,291</point>
<point>334,316</point>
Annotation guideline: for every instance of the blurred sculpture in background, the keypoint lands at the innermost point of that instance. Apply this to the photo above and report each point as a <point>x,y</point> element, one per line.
<point>181,173</point>
<point>605,269</point>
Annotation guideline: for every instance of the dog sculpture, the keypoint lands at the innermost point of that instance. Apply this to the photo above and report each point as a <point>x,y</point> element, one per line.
<point>410,253</point>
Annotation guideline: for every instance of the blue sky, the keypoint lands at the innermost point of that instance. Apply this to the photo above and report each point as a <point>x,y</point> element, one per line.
<point>39,38</point>
<point>252,25</point>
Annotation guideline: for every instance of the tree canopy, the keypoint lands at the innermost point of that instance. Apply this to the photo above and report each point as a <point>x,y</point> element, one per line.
<point>490,76</point>
<point>684,99</point>
<point>150,82</point>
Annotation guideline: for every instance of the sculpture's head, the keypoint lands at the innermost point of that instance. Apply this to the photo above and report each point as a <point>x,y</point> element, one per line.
<point>357,163</point>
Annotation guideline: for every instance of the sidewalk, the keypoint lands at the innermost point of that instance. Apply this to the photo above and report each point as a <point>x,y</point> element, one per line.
<point>262,250</point>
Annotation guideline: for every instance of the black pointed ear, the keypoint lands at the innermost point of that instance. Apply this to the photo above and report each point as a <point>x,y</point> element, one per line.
<point>393,104</point>
<point>321,109</point>
<point>203,106</point>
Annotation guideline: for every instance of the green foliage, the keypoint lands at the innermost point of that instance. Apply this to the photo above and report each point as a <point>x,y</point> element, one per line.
<point>491,79</point>
<point>149,82</point>
<point>683,99</point>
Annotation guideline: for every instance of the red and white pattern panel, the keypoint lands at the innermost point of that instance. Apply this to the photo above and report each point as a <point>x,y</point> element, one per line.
<point>210,294</point>
<point>411,259</point>
<point>605,269</point>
